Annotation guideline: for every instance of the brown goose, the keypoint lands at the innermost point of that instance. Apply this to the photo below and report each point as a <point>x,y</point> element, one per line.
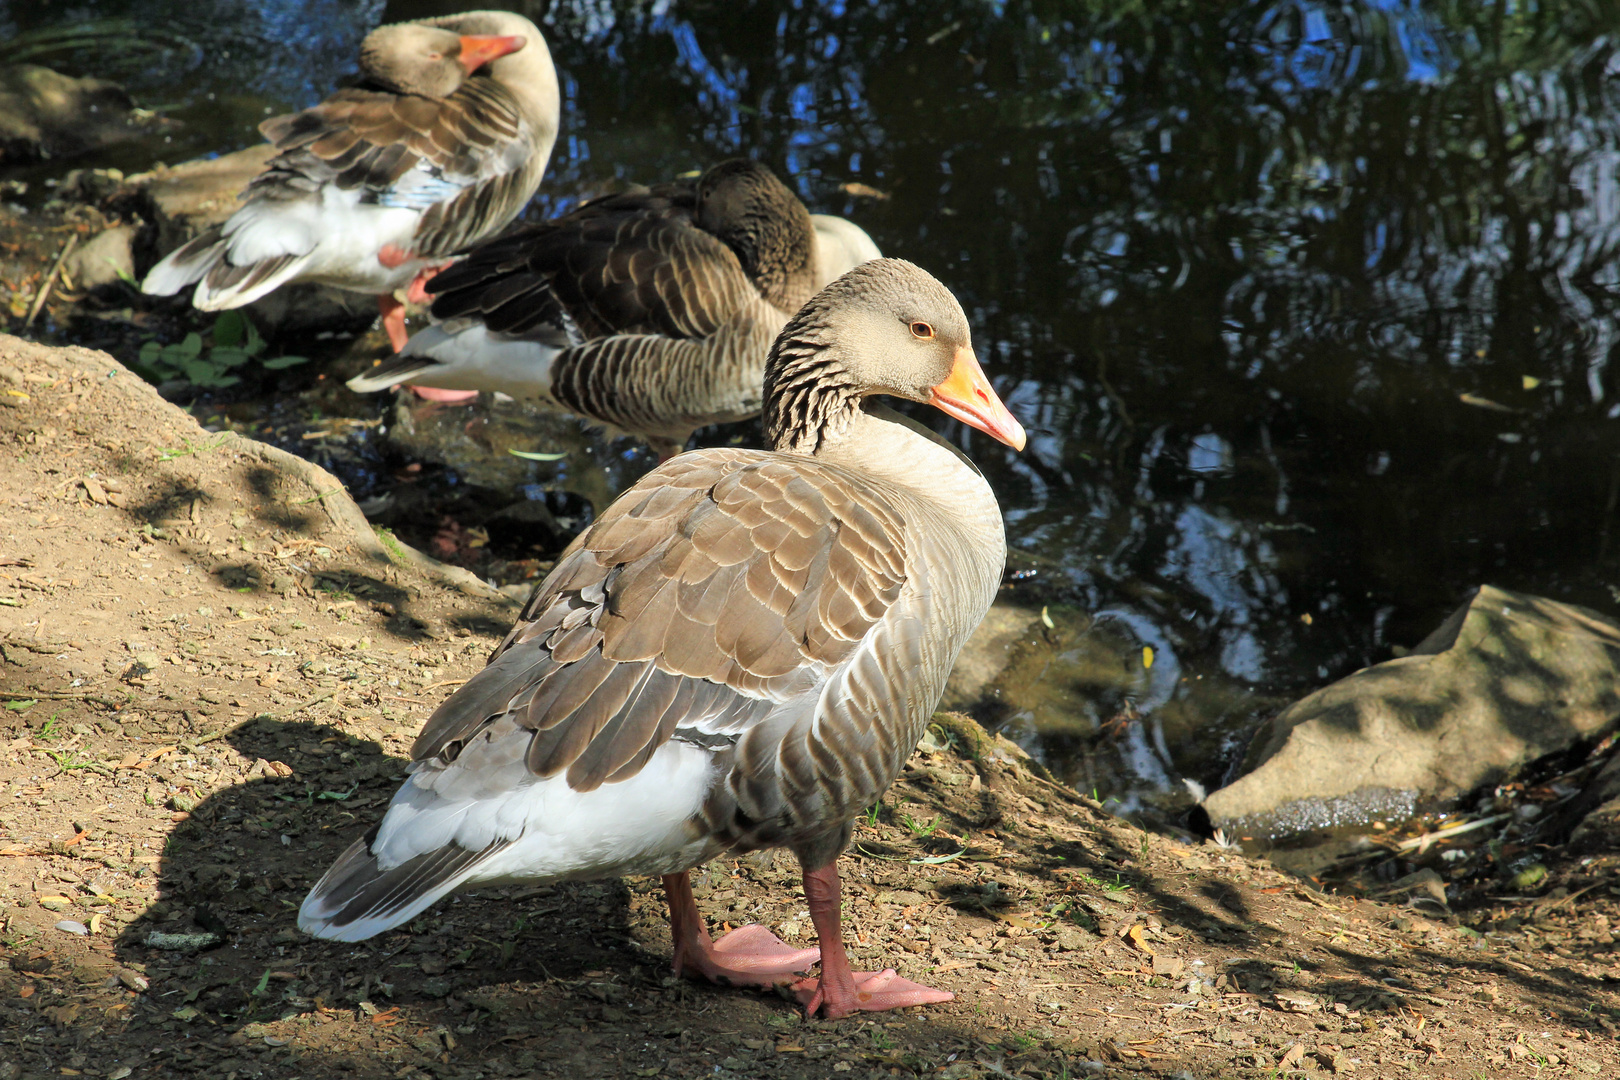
<point>440,147</point>
<point>650,312</point>
<point>739,654</point>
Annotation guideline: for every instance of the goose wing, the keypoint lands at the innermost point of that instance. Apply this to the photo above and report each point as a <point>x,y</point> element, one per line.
<point>723,584</point>
<point>634,263</point>
<point>460,161</point>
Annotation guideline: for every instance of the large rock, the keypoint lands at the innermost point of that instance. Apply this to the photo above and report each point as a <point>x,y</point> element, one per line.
<point>166,471</point>
<point>1506,679</point>
<point>986,654</point>
<point>107,257</point>
<point>189,197</point>
<point>44,114</point>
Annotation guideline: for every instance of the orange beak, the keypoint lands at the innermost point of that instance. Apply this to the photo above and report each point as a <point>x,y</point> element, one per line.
<point>967,395</point>
<point>479,49</point>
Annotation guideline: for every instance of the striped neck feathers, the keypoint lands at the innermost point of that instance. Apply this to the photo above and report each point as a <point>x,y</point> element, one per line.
<point>810,398</point>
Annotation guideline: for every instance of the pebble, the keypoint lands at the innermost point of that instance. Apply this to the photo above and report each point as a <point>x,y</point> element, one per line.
<point>72,926</point>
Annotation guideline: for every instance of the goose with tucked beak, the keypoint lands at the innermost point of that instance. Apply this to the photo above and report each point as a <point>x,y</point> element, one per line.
<point>440,146</point>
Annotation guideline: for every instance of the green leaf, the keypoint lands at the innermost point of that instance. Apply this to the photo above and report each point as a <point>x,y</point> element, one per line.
<point>264,984</point>
<point>190,345</point>
<point>255,343</point>
<point>151,351</point>
<point>200,372</point>
<point>228,329</point>
<point>285,362</point>
<point>227,356</point>
<point>21,706</point>
<point>527,456</point>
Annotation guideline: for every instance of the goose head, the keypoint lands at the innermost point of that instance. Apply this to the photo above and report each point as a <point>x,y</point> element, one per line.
<point>414,58</point>
<point>744,204</point>
<point>886,327</point>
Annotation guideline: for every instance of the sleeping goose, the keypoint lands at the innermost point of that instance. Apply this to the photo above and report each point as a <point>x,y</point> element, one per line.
<point>739,654</point>
<point>650,312</point>
<point>439,147</point>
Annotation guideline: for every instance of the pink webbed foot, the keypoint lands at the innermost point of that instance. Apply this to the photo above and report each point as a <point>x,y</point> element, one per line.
<point>871,991</point>
<point>393,320</point>
<point>748,956</point>
<point>434,393</point>
<point>417,293</point>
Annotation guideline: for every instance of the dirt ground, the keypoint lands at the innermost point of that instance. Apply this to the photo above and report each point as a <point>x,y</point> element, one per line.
<point>211,672</point>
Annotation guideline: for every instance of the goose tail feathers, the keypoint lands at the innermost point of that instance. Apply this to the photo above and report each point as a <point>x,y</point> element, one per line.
<point>186,264</point>
<point>358,899</point>
<point>462,354</point>
<point>221,285</point>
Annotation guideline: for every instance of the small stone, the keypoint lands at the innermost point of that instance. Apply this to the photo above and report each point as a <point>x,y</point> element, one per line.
<point>73,926</point>
<point>1072,939</point>
<point>181,942</point>
<point>436,988</point>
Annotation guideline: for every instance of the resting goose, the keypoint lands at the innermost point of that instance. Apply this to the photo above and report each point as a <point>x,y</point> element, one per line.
<point>439,147</point>
<point>650,312</point>
<point>739,654</point>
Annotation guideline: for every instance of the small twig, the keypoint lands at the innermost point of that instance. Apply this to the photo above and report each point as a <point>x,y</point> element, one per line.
<point>329,695</point>
<point>1448,832</point>
<point>1389,850</point>
<point>1546,906</point>
<point>50,281</point>
<point>315,498</point>
<point>47,695</point>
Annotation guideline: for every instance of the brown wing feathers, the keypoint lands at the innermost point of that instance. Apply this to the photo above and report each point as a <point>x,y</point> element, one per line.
<point>725,585</point>
<point>370,139</point>
<point>625,264</point>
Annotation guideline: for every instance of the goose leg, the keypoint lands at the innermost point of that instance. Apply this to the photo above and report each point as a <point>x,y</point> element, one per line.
<point>839,991</point>
<point>417,293</point>
<point>393,316</point>
<point>393,320</point>
<point>748,956</point>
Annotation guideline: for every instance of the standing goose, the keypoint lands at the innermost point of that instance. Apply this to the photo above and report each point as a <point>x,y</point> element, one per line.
<point>650,312</point>
<point>739,654</point>
<point>439,147</point>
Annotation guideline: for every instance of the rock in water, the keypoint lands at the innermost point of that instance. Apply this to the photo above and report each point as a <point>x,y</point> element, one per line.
<point>1505,679</point>
<point>44,114</point>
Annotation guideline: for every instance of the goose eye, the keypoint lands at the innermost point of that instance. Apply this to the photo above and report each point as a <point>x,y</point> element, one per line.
<point>435,57</point>
<point>922,330</point>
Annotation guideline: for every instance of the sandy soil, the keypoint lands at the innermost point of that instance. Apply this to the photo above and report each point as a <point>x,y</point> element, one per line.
<point>211,670</point>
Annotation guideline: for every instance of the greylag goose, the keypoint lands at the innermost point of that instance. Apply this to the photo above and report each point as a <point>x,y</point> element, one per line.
<point>739,654</point>
<point>650,312</point>
<point>439,147</point>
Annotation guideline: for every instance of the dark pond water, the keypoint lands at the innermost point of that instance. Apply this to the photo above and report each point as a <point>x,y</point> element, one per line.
<point>1310,307</point>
